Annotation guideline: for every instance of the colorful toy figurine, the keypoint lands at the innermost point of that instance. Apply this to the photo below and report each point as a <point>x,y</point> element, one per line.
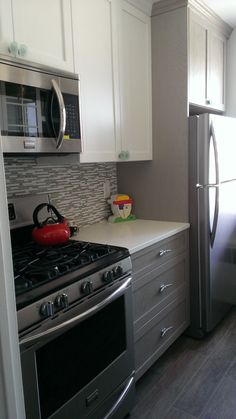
<point>121,206</point>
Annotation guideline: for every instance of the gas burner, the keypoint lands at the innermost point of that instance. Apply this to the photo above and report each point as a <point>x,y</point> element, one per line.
<point>36,265</point>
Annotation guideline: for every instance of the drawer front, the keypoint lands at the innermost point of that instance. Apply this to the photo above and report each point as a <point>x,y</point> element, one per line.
<point>153,341</point>
<point>157,289</point>
<point>153,256</point>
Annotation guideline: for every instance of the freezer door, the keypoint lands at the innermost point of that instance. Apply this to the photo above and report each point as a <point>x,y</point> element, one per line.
<point>225,137</point>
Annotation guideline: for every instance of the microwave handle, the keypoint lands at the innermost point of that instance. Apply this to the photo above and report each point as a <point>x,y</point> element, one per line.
<point>62,109</point>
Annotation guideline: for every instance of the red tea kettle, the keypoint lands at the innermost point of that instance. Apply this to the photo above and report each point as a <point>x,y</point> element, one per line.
<point>52,230</point>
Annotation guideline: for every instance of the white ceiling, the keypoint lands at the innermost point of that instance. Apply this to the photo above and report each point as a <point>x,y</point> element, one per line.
<point>226,9</point>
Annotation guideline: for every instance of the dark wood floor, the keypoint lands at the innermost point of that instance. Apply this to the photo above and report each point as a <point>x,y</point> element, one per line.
<point>193,379</point>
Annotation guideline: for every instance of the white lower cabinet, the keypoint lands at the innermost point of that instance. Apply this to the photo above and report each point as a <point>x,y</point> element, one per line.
<point>160,298</point>
<point>38,31</point>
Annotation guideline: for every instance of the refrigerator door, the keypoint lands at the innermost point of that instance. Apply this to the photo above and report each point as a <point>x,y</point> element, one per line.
<point>224,129</point>
<point>213,222</point>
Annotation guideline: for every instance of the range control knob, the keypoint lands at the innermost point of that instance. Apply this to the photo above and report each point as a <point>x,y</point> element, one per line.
<point>87,287</point>
<point>117,271</point>
<point>61,301</point>
<point>108,276</point>
<point>47,309</point>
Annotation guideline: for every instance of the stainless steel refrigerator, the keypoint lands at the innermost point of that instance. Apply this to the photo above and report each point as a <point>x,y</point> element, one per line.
<point>212,146</point>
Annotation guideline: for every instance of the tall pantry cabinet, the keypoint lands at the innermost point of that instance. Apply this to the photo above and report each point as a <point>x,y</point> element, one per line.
<point>188,58</point>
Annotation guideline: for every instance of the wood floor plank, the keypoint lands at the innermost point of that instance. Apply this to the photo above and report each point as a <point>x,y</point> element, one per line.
<point>223,404</point>
<point>185,382</point>
<point>202,386</point>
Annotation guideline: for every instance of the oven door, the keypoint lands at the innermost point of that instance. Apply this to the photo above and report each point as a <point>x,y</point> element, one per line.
<point>78,361</point>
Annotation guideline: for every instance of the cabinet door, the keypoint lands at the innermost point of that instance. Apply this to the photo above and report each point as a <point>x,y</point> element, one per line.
<point>216,70</point>
<point>92,30</point>
<point>44,28</point>
<point>197,61</point>
<point>135,83</point>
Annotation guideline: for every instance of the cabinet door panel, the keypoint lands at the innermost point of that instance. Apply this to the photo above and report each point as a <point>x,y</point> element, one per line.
<point>153,339</point>
<point>216,70</point>
<point>6,28</point>
<point>198,63</point>
<point>92,26</point>
<point>45,28</point>
<point>135,83</point>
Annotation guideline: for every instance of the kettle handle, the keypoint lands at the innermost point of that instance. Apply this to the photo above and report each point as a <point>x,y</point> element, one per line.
<point>60,218</point>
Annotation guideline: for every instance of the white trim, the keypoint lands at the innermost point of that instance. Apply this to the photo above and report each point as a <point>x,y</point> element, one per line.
<point>10,369</point>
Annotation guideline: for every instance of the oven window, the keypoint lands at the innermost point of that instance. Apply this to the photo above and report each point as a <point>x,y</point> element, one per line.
<point>69,362</point>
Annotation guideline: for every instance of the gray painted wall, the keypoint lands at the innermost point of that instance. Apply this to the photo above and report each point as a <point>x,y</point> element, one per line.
<point>160,187</point>
<point>230,76</point>
<point>76,190</point>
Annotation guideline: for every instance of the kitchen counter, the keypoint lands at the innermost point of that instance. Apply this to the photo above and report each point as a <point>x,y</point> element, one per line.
<point>134,235</point>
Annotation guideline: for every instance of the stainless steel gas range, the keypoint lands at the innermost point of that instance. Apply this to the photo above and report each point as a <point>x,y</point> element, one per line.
<point>74,310</point>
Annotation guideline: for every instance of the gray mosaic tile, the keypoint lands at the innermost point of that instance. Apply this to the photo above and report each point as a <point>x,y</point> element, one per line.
<point>77,190</point>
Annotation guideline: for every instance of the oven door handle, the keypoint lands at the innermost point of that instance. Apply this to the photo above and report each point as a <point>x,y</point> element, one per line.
<point>62,110</point>
<point>124,393</point>
<point>82,316</point>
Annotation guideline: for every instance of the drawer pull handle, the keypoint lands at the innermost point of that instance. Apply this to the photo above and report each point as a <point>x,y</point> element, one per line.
<point>164,286</point>
<point>164,252</point>
<point>166,330</point>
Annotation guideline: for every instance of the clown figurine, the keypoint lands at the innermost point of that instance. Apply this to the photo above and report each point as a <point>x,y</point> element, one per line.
<point>121,206</point>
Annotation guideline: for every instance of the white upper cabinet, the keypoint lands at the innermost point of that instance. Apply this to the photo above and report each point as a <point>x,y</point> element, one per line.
<point>112,58</point>
<point>38,31</point>
<point>207,62</point>
<point>92,29</point>
<point>134,84</point>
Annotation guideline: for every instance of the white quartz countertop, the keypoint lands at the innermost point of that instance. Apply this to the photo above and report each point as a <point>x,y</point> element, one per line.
<point>134,235</point>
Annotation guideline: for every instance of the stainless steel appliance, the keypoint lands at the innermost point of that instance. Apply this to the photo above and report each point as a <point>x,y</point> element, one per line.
<point>39,109</point>
<point>74,310</point>
<point>212,200</point>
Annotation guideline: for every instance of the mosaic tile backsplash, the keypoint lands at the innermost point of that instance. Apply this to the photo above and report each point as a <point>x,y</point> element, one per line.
<point>76,190</point>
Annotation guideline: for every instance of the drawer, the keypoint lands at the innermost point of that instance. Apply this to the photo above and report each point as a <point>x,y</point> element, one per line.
<point>153,339</point>
<point>153,256</point>
<point>158,288</point>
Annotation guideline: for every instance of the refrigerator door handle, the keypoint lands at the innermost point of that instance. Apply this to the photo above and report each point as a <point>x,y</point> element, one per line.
<point>207,185</point>
<point>215,219</point>
<point>216,186</point>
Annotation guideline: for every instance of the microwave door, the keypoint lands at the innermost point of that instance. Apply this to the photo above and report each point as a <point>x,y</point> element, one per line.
<point>61,114</point>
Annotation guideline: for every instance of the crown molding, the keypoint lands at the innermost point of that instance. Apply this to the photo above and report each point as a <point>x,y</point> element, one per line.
<point>164,6</point>
<point>143,5</point>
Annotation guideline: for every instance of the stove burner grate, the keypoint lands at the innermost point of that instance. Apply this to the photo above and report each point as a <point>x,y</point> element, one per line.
<point>35,265</point>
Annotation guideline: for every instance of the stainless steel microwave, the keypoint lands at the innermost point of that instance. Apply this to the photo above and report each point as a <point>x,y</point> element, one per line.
<point>39,109</point>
